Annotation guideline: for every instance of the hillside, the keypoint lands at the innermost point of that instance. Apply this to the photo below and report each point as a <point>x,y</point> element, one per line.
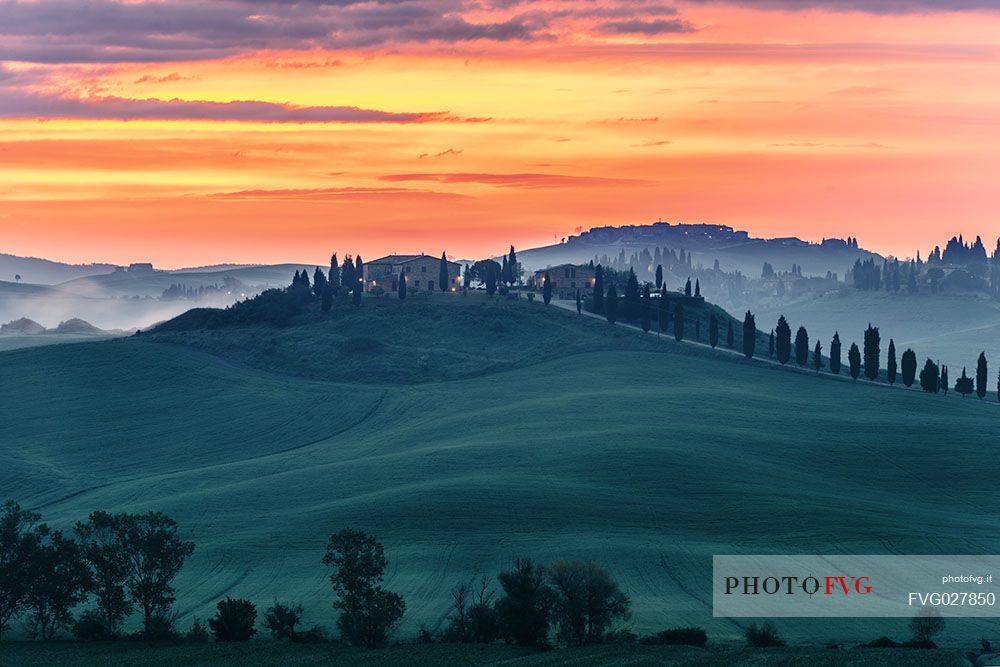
<point>45,271</point>
<point>952,329</point>
<point>153,283</point>
<point>644,455</point>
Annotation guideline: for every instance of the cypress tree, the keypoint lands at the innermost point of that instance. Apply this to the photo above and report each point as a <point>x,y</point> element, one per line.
<point>327,298</point>
<point>334,278</point>
<point>319,281</point>
<point>909,367</point>
<point>770,345</point>
<point>835,354</point>
<point>963,385</point>
<point>512,266</point>
<point>659,276</point>
<point>981,374</point>
<point>697,287</point>
<point>890,363</point>
<point>871,352</point>
<point>647,316</point>
<point>504,271</point>
<point>749,335</point>
<point>491,278</point>
<point>443,273</point>
<point>713,330</point>
<point>944,379</point>
<point>801,347</point>
<point>359,271</point>
<point>929,378</point>
<point>783,343</point>
<point>679,321</point>
<point>304,280</point>
<point>665,312</point>
<point>546,289</point>
<point>579,303</point>
<point>818,357</point>
<point>347,274</point>
<point>611,304</point>
<point>687,287</point>
<point>632,298</point>
<point>854,360</point>
<point>402,287</point>
<point>599,290</point>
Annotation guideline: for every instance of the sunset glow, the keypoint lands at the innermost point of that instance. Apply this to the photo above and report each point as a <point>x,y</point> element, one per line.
<point>191,133</point>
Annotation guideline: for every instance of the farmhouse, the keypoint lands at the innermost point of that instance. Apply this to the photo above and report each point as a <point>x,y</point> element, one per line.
<point>421,272</point>
<point>566,280</point>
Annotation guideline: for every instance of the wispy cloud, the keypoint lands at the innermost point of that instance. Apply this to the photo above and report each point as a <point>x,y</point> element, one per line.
<point>526,180</point>
<point>318,194</point>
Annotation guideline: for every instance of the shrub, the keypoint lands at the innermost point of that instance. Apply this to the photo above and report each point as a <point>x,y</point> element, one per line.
<point>313,635</point>
<point>198,632</point>
<point>525,608</point>
<point>678,637</point>
<point>161,627</point>
<point>882,642</point>
<point>281,620</point>
<point>764,635</point>
<point>924,626</point>
<point>90,627</point>
<point>234,621</point>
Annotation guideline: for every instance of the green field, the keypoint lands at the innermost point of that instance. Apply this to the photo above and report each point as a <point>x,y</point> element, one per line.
<point>464,434</point>
<point>266,654</point>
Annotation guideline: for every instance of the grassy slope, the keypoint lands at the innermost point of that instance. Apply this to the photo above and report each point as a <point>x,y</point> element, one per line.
<point>153,283</point>
<point>647,460</point>
<point>265,654</point>
<point>954,329</point>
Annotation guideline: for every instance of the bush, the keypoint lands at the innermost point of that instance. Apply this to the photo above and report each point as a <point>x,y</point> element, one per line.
<point>161,628</point>
<point>313,635</point>
<point>678,637</point>
<point>234,621</point>
<point>281,620</point>
<point>90,627</point>
<point>764,635</point>
<point>198,632</point>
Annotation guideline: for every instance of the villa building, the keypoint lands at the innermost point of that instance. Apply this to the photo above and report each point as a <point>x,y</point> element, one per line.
<point>422,273</point>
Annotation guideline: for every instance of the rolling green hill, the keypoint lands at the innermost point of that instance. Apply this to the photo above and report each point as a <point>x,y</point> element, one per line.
<point>152,283</point>
<point>528,431</point>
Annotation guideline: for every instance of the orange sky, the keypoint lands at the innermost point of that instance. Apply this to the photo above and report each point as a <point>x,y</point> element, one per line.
<point>258,133</point>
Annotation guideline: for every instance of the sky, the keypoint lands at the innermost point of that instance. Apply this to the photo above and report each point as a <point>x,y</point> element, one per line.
<point>188,133</point>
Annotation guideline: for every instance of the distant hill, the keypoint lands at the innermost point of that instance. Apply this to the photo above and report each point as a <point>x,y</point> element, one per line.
<point>152,282</point>
<point>735,250</point>
<point>45,271</point>
<point>22,326</point>
<point>76,326</point>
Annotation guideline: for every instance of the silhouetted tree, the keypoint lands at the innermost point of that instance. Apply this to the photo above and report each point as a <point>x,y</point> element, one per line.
<point>599,290</point>
<point>801,347</point>
<point>103,550</point>
<point>908,366</point>
<point>156,554</point>
<point>871,352</point>
<point>943,380</point>
<point>687,288</point>
<point>659,276</point>
<point>854,360</point>
<point>749,335</point>
<point>631,302</point>
<point>281,620</point>
<point>512,266</point>
<point>546,288</point>
<point>890,363</point>
<point>57,582</point>
<point>319,282</point>
<point>963,385</point>
<point>526,604</point>
<point>443,274</point>
<point>491,278</point>
<point>356,293</point>
<point>579,303</point>
<point>368,612</point>
<point>818,357</point>
<point>730,342</point>
<point>611,304</point>
<point>234,620</point>
<point>665,313</point>
<point>770,345</point>
<point>981,375</point>
<point>713,330</point>
<point>783,341</point>
<point>697,287</point>
<point>334,278</point>
<point>835,354</point>
<point>20,537</point>
<point>679,321</point>
<point>647,316</point>
<point>401,287</point>
<point>930,378</point>
<point>348,275</point>
<point>587,602</point>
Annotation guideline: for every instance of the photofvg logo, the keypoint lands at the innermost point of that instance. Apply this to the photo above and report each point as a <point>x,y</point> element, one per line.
<point>790,585</point>
<point>853,586</point>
